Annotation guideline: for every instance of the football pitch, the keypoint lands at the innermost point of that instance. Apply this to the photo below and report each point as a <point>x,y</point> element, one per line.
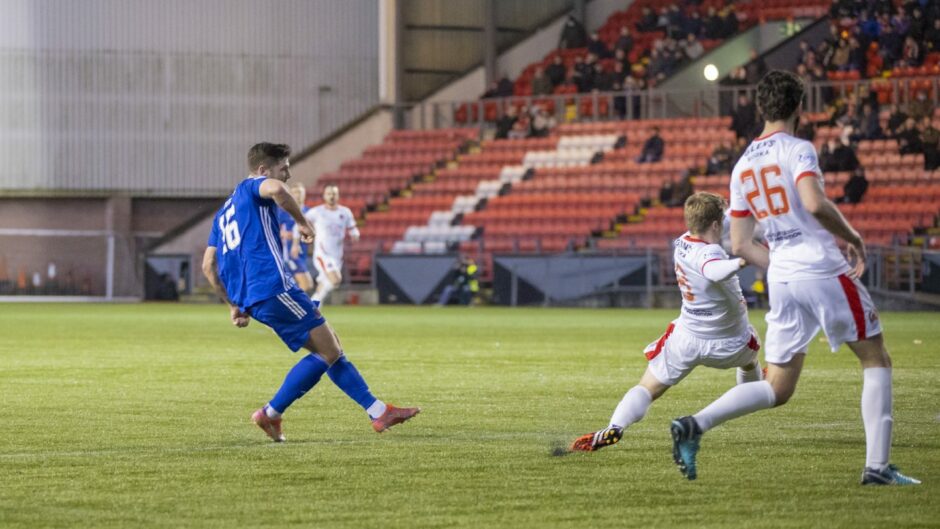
<point>138,416</point>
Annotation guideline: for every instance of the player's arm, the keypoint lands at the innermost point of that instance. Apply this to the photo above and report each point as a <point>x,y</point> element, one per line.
<point>721,269</point>
<point>210,270</point>
<point>275,190</point>
<point>352,229</point>
<point>742,241</point>
<point>819,206</point>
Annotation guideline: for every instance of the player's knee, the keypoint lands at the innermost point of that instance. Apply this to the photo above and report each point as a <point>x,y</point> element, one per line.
<point>782,393</point>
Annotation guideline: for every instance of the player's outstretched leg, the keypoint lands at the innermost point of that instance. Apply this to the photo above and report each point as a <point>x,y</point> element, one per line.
<point>595,441</point>
<point>299,380</point>
<point>686,435</point>
<point>345,375</point>
<point>632,408</point>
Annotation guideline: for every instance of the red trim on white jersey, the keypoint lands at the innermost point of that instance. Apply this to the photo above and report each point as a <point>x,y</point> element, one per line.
<point>706,262</point>
<point>805,174</point>
<point>769,135</point>
<point>855,304</point>
<point>692,239</point>
<point>740,213</point>
<point>662,341</point>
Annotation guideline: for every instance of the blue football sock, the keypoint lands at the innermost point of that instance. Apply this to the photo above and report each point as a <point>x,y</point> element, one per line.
<point>298,381</point>
<point>345,375</point>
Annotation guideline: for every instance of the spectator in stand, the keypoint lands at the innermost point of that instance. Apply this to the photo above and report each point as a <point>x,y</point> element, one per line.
<point>573,35</point>
<point>918,25</point>
<point>603,80</point>
<point>874,62</point>
<point>520,129</point>
<point>720,160</point>
<point>837,156</point>
<point>624,41</point>
<point>869,125</point>
<point>913,52</point>
<point>840,58</point>
<point>506,122</point>
<point>744,118</point>
<point>634,86</point>
<point>682,190</point>
<point>803,72</point>
<point>652,149</point>
<point>932,37</point>
<point>854,189</point>
<point>740,145</point>
<point>505,87</point>
<point>675,29</point>
<point>857,57</point>
<point>756,68</point>
<point>920,107</point>
<point>929,139</point>
<point>691,47</point>
<point>647,21</point>
<point>576,74</point>
<point>806,130</point>
<point>618,78</point>
<point>738,77</point>
<point>729,22</point>
<point>556,71</point>
<point>892,44</point>
<point>712,25</point>
<point>694,24</point>
<point>620,57</point>
<point>665,192</point>
<point>492,91</point>
<point>896,120</point>
<point>598,47</point>
<point>805,52</point>
<point>542,122</point>
<point>541,84</point>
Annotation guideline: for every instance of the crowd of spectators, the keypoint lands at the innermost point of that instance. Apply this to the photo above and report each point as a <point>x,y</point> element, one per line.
<point>616,67</point>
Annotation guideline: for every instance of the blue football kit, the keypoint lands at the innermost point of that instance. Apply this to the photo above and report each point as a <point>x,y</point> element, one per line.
<point>245,233</point>
<point>296,265</point>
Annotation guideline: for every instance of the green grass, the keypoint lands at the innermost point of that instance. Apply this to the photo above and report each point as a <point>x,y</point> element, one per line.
<point>137,416</point>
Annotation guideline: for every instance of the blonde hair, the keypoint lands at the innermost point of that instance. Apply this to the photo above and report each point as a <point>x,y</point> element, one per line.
<point>702,209</point>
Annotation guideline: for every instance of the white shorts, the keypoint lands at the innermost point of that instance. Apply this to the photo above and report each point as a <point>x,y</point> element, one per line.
<point>677,353</point>
<point>840,306</point>
<point>325,264</point>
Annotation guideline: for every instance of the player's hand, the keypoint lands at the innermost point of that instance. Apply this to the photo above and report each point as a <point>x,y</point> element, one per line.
<point>855,252</point>
<point>742,263</point>
<point>306,233</point>
<point>239,319</point>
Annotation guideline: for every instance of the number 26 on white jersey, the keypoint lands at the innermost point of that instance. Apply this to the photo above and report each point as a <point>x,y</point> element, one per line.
<point>755,185</point>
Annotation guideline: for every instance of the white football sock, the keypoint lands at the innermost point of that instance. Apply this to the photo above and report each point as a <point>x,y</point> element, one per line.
<point>753,375</point>
<point>377,409</point>
<point>876,414</point>
<point>632,408</point>
<point>323,290</point>
<point>271,412</point>
<point>737,401</point>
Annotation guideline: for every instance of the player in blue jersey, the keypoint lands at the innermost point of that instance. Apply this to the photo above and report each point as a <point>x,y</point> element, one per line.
<point>244,264</point>
<point>295,251</point>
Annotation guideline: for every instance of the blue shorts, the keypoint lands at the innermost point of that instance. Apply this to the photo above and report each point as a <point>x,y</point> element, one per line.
<point>291,314</point>
<point>299,265</point>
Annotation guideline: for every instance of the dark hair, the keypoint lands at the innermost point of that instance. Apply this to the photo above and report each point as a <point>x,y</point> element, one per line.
<point>779,95</point>
<point>267,154</point>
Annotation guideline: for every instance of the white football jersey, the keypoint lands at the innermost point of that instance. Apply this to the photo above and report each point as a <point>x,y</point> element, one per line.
<point>763,184</point>
<point>710,309</point>
<point>330,226</point>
